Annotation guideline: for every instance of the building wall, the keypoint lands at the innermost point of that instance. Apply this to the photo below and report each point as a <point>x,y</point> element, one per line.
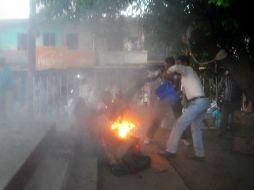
<point>122,57</point>
<point>56,29</point>
<point>86,38</point>
<point>9,31</point>
<point>89,48</point>
<point>56,56</point>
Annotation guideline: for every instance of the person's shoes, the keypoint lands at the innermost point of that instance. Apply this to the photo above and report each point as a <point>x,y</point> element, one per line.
<point>168,155</point>
<point>197,158</point>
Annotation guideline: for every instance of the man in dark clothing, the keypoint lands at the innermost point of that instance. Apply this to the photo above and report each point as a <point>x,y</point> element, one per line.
<point>163,106</point>
<point>230,101</point>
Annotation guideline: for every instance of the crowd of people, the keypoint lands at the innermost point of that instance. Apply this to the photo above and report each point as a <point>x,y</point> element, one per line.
<point>191,106</point>
<point>185,96</point>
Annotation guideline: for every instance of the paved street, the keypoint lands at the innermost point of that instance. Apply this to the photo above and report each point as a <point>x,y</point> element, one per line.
<point>18,141</point>
<point>222,170</point>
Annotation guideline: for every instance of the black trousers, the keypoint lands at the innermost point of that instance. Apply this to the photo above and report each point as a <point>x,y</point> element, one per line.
<point>227,110</point>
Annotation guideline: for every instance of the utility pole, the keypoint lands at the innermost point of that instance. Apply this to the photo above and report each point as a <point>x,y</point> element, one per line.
<point>31,56</point>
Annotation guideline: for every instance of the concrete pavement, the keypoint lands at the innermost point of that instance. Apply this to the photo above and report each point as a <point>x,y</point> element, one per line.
<point>18,141</point>
<point>161,175</point>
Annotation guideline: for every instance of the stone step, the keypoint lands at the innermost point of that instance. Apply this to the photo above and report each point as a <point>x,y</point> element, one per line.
<point>70,164</point>
<point>52,171</point>
<point>83,174</point>
<point>83,170</point>
<point>22,146</point>
<point>50,174</point>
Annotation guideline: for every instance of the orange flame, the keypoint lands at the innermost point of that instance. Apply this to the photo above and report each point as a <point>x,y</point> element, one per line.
<point>123,127</point>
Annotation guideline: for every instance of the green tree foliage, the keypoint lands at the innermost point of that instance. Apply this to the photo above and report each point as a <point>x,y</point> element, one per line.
<point>216,24</point>
<point>81,9</point>
<point>223,23</point>
<point>223,3</point>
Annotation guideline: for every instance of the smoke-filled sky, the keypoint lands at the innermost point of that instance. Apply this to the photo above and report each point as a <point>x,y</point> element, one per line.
<point>14,9</point>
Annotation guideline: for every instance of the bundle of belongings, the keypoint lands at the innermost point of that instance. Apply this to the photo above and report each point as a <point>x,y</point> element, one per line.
<point>131,164</point>
<point>120,142</point>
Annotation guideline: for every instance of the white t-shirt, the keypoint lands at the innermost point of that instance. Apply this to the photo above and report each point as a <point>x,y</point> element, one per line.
<point>190,82</point>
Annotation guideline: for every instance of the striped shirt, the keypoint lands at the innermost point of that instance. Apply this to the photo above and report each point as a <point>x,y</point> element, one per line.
<point>229,90</point>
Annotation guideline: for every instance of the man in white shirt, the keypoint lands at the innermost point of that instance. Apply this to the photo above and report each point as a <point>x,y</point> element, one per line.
<point>193,114</point>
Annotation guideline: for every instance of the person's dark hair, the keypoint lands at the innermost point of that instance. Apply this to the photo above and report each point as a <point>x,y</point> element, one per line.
<point>184,59</point>
<point>170,60</point>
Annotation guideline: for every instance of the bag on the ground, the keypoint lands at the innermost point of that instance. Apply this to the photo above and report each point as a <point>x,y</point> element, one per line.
<point>131,164</point>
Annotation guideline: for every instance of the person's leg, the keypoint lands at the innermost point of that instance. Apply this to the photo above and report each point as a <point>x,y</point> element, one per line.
<point>192,111</point>
<point>179,126</point>
<point>225,111</point>
<point>177,109</point>
<point>196,130</point>
<point>153,128</point>
<point>234,106</point>
<point>185,136</point>
<point>156,122</point>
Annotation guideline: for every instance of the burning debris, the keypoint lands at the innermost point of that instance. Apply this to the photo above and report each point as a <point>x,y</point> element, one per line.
<point>116,132</point>
<point>120,140</point>
<point>123,127</point>
<point>123,150</point>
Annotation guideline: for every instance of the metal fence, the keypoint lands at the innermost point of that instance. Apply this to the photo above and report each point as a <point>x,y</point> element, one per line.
<point>55,91</point>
